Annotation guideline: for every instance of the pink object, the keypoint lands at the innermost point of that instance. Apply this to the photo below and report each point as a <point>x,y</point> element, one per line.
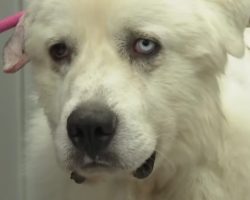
<point>10,22</point>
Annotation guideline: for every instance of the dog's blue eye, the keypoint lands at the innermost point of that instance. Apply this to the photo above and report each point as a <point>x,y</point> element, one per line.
<point>145,46</point>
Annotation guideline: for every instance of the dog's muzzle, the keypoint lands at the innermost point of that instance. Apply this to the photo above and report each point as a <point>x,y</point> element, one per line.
<point>91,127</point>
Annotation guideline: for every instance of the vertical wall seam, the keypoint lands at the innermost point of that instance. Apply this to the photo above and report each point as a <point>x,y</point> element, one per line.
<point>21,171</point>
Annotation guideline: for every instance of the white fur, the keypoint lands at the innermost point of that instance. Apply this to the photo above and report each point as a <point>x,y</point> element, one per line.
<point>180,105</point>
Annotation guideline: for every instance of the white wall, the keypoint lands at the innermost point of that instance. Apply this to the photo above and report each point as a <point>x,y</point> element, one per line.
<point>12,110</point>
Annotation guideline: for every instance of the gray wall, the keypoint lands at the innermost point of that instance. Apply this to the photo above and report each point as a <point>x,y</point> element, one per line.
<point>12,115</point>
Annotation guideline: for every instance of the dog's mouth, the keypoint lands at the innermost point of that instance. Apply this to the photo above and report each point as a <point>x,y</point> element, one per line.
<point>140,173</point>
<point>146,168</point>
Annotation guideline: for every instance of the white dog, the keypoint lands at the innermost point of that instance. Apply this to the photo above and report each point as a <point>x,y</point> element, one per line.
<point>134,103</point>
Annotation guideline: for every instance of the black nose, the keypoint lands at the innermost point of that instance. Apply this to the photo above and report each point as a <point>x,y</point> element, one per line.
<point>91,128</point>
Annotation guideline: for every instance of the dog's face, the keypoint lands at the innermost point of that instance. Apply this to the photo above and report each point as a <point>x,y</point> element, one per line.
<point>119,79</point>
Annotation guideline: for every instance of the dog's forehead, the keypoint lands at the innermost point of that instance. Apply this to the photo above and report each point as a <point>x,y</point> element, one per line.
<point>101,11</point>
<point>89,22</point>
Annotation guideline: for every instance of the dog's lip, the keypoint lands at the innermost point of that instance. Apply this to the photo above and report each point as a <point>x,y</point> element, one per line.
<point>141,172</point>
<point>146,168</point>
<point>77,178</point>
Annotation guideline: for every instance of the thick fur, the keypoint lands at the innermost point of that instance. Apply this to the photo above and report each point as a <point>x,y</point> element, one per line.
<point>185,104</point>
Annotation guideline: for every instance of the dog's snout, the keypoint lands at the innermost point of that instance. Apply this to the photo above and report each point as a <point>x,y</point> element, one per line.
<point>91,128</point>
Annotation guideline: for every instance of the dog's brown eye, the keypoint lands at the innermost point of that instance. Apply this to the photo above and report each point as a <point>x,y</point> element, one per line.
<point>60,52</point>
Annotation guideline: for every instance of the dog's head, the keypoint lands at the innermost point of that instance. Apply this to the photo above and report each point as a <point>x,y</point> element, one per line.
<point>125,83</point>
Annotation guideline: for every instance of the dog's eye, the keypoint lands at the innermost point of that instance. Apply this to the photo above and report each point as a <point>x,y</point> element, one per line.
<point>145,47</point>
<point>60,52</point>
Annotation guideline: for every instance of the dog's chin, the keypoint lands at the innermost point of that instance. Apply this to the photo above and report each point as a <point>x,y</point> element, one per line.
<point>93,170</point>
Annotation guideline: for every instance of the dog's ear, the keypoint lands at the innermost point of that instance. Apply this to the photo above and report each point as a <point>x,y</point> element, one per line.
<point>14,55</point>
<point>230,19</point>
<point>247,37</point>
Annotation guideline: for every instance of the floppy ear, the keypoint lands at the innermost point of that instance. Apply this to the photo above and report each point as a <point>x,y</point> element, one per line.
<point>14,55</point>
<point>247,38</point>
<point>231,19</point>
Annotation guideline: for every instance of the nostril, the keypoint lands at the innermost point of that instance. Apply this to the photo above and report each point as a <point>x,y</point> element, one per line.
<point>106,127</point>
<point>74,134</point>
<point>102,133</point>
<point>99,132</point>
